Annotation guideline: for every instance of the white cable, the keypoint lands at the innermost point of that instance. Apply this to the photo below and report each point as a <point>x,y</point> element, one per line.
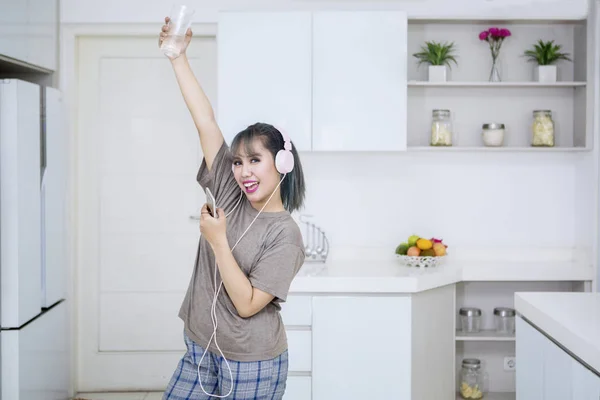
<point>213,310</point>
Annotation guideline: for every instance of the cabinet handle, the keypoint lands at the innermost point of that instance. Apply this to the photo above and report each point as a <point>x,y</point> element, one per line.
<point>195,217</point>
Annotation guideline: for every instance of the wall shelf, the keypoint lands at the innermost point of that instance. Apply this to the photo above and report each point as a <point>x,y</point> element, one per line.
<point>505,149</point>
<point>515,84</point>
<point>474,101</point>
<point>484,336</point>
<point>495,396</point>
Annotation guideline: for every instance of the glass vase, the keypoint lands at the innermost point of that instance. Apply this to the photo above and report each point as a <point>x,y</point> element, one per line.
<point>494,73</point>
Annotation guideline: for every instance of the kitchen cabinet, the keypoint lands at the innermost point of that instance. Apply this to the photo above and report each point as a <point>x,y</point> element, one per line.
<point>546,371</point>
<point>359,81</point>
<point>346,326</point>
<point>334,80</point>
<point>342,344</point>
<point>29,32</point>
<point>264,75</point>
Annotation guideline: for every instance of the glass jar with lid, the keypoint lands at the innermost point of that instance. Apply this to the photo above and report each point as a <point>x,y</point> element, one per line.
<point>441,128</point>
<point>542,129</point>
<point>504,319</point>
<point>470,319</point>
<point>471,379</point>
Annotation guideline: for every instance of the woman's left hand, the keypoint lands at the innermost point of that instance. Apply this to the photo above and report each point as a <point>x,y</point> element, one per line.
<point>213,229</point>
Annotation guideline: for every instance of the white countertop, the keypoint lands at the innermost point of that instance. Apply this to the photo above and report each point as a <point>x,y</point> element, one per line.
<point>371,277</point>
<point>571,319</point>
<point>390,276</point>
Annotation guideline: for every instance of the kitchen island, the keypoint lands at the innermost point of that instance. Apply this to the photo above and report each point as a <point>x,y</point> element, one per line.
<point>558,346</point>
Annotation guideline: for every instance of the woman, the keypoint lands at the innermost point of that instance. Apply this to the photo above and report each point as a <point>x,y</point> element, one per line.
<point>252,249</point>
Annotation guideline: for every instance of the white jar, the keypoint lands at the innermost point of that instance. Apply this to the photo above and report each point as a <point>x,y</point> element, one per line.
<point>493,134</point>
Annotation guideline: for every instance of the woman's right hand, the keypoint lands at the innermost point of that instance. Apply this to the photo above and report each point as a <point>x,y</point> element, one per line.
<point>164,33</point>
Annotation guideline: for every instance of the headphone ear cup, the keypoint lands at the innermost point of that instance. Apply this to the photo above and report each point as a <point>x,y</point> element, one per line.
<point>284,161</point>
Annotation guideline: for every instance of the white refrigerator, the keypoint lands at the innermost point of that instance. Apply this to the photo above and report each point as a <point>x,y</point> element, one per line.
<point>34,333</point>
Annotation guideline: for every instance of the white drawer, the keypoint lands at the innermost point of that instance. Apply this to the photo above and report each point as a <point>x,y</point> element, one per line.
<point>300,351</point>
<point>297,311</point>
<point>298,388</point>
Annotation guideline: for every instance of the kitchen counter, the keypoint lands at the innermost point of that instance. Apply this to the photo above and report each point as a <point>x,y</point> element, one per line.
<point>390,276</point>
<point>371,277</point>
<point>571,319</point>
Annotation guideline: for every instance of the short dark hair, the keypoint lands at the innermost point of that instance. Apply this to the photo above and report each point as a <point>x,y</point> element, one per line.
<point>292,187</point>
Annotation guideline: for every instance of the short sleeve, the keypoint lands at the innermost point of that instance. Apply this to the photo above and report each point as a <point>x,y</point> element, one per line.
<point>276,268</point>
<point>220,178</point>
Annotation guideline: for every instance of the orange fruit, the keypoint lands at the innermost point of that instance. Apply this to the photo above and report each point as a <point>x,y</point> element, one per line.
<point>440,249</point>
<point>424,244</point>
<point>413,251</point>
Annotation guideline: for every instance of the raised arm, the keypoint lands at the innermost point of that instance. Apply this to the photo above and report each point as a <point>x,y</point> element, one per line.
<point>200,108</point>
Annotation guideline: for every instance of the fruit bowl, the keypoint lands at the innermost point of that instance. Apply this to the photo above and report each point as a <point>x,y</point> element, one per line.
<point>422,262</point>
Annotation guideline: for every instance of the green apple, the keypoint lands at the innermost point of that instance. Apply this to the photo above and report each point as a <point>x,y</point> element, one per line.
<point>412,240</point>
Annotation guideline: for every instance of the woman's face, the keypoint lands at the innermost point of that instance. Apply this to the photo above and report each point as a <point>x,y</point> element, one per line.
<point>256,175</point>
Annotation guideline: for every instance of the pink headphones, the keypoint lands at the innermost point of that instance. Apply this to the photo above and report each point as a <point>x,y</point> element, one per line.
<point>284,160</point>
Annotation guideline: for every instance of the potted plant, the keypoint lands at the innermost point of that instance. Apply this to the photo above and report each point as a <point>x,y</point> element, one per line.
<point>546,54</point>
<point>438,56</point>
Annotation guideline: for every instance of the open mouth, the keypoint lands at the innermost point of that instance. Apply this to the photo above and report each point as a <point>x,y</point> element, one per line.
<point>251,187</point>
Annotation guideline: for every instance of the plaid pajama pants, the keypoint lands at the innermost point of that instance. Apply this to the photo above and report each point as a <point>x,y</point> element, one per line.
<point>255,380</point>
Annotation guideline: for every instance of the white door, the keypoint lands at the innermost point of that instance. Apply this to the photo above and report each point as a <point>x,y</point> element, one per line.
<point>20,272</point>
<point>359,81</point>
<point>265,73</point>
<point>138,154</point>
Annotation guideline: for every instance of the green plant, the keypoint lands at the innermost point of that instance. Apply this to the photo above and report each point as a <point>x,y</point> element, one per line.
<point>546,53</point>
<point>435,53</point>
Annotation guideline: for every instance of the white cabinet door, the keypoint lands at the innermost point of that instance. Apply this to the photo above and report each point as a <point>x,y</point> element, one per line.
<point>530,359</point>
<point>20,234</point>
<point>351,360</point>
<point>585,383</point>
<point>359,81</point>
<point>264,63</point>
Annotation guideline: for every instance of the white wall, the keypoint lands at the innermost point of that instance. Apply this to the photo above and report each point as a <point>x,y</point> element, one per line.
<point>151,11</point>
<point>470,200</point>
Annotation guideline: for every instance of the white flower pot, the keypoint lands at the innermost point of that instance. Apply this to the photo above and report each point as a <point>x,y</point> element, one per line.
<point>545,73</point>
<point>437,73</point>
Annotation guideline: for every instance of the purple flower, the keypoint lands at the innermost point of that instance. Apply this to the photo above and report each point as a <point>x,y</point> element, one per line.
<point>495,32</point>
<point>504,32</point>
<point>483,35</point>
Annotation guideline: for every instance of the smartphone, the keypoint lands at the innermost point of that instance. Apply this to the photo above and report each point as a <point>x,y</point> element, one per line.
<point>212,203</point>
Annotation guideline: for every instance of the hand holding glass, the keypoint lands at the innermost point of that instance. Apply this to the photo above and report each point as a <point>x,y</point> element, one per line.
<point>180,20</point>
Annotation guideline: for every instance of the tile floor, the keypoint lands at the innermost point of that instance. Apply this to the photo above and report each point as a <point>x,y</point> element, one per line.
<point>120,396</point>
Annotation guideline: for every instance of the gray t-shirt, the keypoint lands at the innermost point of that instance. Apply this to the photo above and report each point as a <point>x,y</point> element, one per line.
<point>270,254</point>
